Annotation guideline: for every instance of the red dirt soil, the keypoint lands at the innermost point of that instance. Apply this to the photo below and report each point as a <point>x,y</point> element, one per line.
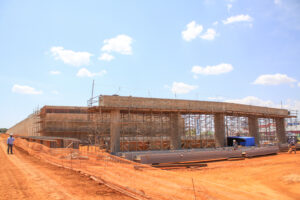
<point>270,177</point>
<point>25,177</point>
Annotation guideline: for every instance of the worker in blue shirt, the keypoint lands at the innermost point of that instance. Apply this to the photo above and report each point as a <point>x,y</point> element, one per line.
<point>10,143</point>
<point>292,145</point>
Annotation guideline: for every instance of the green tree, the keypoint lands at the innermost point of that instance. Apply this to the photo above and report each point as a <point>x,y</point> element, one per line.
<point>3,130</point>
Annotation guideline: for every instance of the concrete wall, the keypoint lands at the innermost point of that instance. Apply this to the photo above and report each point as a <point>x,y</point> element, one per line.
<point>74,125</point>
<point>23,128</point>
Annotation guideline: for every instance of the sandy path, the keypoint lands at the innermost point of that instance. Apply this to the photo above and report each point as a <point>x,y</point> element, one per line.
<point>24,177</point>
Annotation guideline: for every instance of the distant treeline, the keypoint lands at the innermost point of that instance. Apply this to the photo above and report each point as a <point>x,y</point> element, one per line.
<point>3,130</point>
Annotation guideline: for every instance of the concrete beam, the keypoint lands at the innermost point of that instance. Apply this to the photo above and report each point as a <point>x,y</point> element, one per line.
<point>280,130</point>
<point>188,106</point>
<point>254,129</point>
<point>219,130</point>
<point>115,128</point>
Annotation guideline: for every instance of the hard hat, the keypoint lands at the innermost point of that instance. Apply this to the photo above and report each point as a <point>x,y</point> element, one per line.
<point>11,134</point>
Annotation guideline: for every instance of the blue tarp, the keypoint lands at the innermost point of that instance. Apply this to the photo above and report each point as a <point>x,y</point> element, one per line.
<point>244,141</point>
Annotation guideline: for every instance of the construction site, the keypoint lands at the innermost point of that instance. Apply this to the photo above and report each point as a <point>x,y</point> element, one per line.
<point>188,149</point>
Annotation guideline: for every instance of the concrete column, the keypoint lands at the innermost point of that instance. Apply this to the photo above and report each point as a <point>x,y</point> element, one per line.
<point>280,130</point>
<point>115,128</point>
<point>253,128</point>
<point>176,123</point>
<point>219,130</point>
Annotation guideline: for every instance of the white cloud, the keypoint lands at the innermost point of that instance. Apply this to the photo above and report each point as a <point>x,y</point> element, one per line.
<point>238,18</point>
<point>24,89</point>
<point>83,72</point>
<point>255,101</point>
<point>182,88</point>
<point>55,72</point>
<point>274,79</point>
<point>106,57</point>
<point>229,6</point>
<point>292,105</point>
<point>120,44</point>
<point>71,57</point>
<point>289,104</point>
<point>299,84</point>
<point>192,31</point>
<point>213,70</point>
<point>210,34</point>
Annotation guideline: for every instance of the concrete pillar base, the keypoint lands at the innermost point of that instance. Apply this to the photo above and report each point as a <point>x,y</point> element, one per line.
<point>176,130</point>
<point>280,130</point>
<point>219,130</point>
<point>115,128</point>
<point>254,129</point>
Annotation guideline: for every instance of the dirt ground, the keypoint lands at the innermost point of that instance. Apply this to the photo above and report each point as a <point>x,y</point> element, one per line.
<point>24,177</point>
<point>270,177</point>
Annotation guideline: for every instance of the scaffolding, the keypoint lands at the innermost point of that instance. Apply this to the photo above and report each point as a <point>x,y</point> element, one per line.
<point>198,131</point>
<point>149,126</point>
<point>150,130</point>
<point>142,131</point>
<point>61,121</point>
<point>267,131</point>
<point>236,126</point>
<point>36,128</point>
<point>147,129</point>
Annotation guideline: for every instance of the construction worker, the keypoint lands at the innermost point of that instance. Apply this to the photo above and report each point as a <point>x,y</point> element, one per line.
<point>292,145</point>
<point>10,143</point>
<point>235,145</point>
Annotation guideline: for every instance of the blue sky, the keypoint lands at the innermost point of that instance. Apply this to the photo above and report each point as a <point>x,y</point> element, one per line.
<point>219,50</point>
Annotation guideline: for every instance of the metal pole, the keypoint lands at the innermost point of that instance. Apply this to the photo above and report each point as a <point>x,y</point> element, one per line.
<point>93,90</point>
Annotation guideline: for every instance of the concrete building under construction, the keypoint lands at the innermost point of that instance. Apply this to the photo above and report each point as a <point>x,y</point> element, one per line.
<point>120,123</point>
